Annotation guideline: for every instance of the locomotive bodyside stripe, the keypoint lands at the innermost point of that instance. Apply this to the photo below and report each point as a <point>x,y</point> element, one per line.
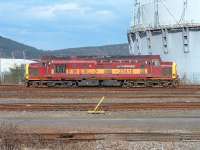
<point>106,71</point>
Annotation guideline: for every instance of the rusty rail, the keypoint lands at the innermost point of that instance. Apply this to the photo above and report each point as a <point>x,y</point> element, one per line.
<point>67,137</point>
<point>105,106</point>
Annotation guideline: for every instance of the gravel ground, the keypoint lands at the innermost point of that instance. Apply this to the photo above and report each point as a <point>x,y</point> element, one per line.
<point>123,145</point>
<point>108,115</point>
<point>137,121</point>
<point>159,125</point>
<point>159,121</point>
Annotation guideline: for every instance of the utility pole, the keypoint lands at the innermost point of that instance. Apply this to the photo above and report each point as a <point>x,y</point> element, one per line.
<point>0,70</point>
<point>24,55</point>
<point>23,67</point>
<point>13,55</point>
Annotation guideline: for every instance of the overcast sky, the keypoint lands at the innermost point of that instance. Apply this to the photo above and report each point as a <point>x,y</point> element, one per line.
<point>56,24</point>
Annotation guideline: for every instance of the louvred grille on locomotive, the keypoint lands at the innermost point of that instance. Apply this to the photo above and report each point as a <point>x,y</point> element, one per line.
<point>167,72</point>
<point>34,72</point>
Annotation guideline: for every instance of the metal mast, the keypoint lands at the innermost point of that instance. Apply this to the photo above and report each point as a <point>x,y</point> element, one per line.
<point>156,14</point>
<point>185,8</point>
<point>137,13</point>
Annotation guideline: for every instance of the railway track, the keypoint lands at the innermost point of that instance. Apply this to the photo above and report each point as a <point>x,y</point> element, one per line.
<point>22,92</point>
<point>74,137</point>
<point>22,87</point>
<point>105,106</point>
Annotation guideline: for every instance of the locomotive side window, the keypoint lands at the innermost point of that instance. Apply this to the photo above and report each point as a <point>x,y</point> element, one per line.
<point>142,66</point>
<point>43,64</point>
<point>156,63</point>
<point>85,66</point>
<point>74,65</point>
<point>60,68</point>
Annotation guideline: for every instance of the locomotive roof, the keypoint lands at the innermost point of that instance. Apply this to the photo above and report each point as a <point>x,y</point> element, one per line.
<point>49,58</point>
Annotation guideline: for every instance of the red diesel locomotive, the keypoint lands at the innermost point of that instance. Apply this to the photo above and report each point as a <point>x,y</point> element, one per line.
<point>131,71</point>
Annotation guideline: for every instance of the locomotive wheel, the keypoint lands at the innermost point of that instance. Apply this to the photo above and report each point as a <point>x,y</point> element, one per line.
<point>101,83</point>
<point>175,83</point>
<point>140,84</point>
<point>126,84</point>
<point>149,83</point>
<point>50,84</point>
<point>165,84</point>
<point>27,84</point>
<point>74,84</point>
<point>35,84</point>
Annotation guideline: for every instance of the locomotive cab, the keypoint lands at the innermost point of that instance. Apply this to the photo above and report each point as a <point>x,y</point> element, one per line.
<point>34,72</point>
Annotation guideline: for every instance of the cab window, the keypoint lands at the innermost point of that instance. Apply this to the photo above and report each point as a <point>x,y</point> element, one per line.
<point>60,68</point>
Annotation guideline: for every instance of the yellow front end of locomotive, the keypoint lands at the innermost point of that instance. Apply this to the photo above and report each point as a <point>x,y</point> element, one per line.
<point>174,71</point>
<point>27,72</point>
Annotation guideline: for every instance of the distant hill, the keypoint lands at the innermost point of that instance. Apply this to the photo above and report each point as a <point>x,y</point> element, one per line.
<point>10,48</point>
<point>107,50</point>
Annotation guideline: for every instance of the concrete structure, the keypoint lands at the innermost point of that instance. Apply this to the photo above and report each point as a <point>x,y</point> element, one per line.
<point>170,28</point>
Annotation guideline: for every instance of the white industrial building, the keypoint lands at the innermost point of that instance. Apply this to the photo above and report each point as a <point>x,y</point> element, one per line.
<point>170,28</point>
<point>7,64</point>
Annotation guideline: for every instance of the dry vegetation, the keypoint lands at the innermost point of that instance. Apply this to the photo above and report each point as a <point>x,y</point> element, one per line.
<point>11,140</point>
